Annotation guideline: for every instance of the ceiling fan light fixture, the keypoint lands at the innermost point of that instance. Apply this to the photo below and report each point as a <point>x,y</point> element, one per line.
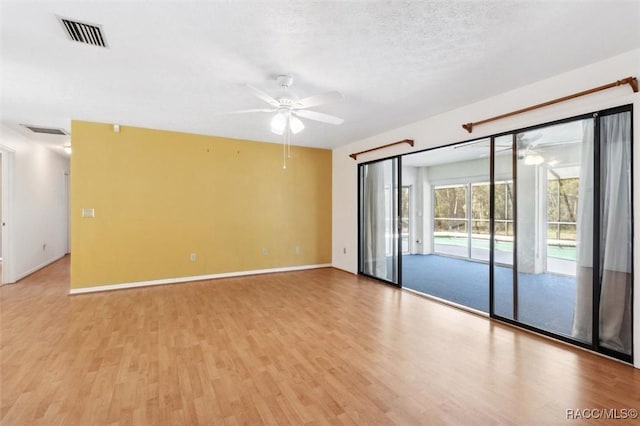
<point>278,123</point>
<point>286,121</point>
<point>533,159</point>
<point>296,125</point>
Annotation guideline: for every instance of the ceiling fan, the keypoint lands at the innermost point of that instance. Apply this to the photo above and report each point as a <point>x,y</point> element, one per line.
<point>288,109</point>
<point>526,145</point>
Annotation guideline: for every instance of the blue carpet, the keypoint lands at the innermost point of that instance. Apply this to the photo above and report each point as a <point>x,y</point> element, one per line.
<point>545,301</point>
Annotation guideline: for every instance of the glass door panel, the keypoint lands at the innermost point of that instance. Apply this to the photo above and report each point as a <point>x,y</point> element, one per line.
<point>555,228</point>
<point>503,227</point>
<point>379,236</point>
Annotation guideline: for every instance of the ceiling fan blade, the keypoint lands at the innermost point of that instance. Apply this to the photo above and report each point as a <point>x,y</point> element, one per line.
<point>261,95</point>
<point>556,143</point>
<point>318,116</point>
<point>526,140</point>
<point>244,111</point>
<point>325,98</point>
<point>472,144</point>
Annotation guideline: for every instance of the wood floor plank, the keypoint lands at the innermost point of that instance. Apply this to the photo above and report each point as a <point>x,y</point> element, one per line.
<point>319,347</point>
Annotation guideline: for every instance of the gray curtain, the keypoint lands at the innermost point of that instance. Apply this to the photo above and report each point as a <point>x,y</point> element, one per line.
<point>615,243</point>
<point>375,259</point>
<point>615,235</point>
<point>583,312</point>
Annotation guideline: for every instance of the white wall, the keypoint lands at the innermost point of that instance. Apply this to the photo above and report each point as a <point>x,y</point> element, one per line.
<point>410,179</point>
<point>0,203</point>
<point>446,128</point>
<point>37,207</point>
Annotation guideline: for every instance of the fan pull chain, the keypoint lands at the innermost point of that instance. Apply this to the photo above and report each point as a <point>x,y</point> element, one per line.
<point>286,144</point>
<point>284,152</point>
<point>288,130</point>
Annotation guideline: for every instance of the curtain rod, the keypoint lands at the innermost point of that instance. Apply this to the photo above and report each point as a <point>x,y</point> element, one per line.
<point>631,81</point>
<point>355,154</point>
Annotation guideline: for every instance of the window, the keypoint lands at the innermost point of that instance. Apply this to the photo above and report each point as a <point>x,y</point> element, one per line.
<point>404,218</point>
<point>450,229</point>
<point>562,211</point>
<point>458,234</point>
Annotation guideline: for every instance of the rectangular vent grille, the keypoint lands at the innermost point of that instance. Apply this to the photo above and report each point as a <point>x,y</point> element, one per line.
<point>84,33</point>
<point>45,130</point>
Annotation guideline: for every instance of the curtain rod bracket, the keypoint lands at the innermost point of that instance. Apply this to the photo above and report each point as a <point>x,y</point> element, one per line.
<point>631,81</point>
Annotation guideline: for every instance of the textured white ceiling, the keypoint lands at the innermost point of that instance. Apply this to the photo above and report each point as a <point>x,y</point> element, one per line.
<point>181,65</point>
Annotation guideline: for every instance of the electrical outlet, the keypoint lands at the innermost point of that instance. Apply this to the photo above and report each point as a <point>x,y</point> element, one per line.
<point>193,257</point>
<point>344,250</point>
<point>88,212</point>
<point>44,247</point>
<point>297,249</point>
<point>265,252</point>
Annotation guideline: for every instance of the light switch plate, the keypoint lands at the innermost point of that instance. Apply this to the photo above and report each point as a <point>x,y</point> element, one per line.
<point>88,213</point>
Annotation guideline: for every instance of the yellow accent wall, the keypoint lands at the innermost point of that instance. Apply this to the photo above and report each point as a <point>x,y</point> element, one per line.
<point>159,196</point>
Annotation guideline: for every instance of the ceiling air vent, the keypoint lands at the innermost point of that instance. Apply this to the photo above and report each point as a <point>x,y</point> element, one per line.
<point>45,130</point>
<point>84,33</point>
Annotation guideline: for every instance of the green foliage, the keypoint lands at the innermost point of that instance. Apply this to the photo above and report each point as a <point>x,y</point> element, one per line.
<point>451,208</point>
<point>450,202</point>
<point>562,206</point>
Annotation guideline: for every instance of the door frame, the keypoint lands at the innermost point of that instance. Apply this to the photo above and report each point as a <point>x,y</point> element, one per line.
<point>6,221</point>
<point>594,344</point>
<point>397,236</point>
<point>66,179</point>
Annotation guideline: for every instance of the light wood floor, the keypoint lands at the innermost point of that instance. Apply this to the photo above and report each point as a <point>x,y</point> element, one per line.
<point>311,347</point>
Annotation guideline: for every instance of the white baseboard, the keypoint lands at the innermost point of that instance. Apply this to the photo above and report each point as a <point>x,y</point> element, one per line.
<point>37,268</point>
<point>192,278</point>
<point>344,270</point>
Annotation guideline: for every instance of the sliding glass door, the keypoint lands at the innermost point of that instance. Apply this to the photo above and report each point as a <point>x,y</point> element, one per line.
<point>461,222</point>
<point>572,234</point>
<point>555,200</point>
<point>379,229</point>
<point>532,226</point>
